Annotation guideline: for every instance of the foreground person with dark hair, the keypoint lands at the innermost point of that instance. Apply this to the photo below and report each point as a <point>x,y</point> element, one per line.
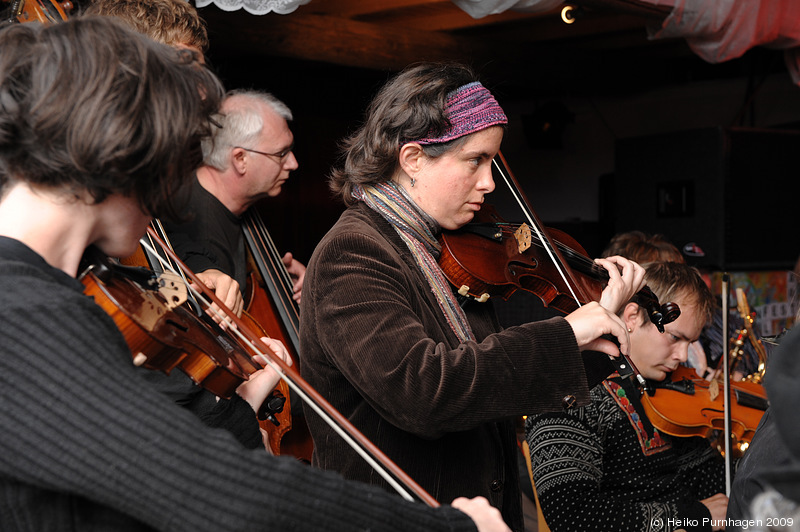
<point>99,127</point>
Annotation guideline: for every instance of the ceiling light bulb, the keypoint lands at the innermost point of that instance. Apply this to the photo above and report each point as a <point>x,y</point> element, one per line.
<point>568,14</point>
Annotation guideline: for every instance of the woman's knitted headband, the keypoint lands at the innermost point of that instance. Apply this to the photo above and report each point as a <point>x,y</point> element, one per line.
<point>469,108</point>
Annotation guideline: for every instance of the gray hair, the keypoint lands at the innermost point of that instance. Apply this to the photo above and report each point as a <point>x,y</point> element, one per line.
<point>241,124</point>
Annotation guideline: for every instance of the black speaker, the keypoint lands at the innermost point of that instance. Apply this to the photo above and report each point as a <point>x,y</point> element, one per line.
<point>730,191</point>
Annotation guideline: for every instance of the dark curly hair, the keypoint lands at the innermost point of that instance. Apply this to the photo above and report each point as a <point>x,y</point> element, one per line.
<point>90,106</point>
<point>410,106</point>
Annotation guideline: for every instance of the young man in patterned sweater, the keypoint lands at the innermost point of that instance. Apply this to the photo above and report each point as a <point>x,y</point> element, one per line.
<point>604,466</point>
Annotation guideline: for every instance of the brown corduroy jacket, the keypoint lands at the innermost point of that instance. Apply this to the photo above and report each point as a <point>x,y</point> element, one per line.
<point>376,345</point>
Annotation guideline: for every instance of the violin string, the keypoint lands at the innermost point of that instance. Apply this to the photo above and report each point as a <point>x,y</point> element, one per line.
<point>308,401</point>
<point>535,227</point>
<point>556,263</point>
<point>159,227</point>
<point>580,260</point>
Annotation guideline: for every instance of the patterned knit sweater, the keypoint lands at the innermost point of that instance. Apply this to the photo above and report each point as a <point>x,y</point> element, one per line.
<point>87,445</point>
<point>604,467</point>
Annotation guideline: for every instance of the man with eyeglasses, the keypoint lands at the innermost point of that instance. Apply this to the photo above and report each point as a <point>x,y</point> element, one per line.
<point>248,158</point>
<point>209,237</point>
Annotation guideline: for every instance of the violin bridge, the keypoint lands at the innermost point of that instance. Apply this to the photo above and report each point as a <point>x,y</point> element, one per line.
<point>713,390</point>
<point>171,287</point>
<point>523,236</point>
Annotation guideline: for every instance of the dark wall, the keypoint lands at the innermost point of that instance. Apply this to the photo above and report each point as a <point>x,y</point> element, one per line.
<point>729,190</point>
<point>327,103</point>
<point>573,184</point>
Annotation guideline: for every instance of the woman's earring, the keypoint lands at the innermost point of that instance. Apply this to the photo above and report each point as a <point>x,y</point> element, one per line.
<point>630,330</point>
<point>412,182</point>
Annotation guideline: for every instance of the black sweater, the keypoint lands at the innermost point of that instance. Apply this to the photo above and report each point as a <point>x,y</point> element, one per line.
<point>86,444</point>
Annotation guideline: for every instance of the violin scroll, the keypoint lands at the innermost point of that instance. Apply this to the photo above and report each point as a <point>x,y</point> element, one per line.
<point>659,314</point>
<point>271,407</point>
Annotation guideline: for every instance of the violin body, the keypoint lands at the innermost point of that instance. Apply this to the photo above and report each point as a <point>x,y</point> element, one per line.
<point>687,405</point>
<point>164,338</point>
<point>275,416</point>
<point>489,256</point>
<point>164,352</point>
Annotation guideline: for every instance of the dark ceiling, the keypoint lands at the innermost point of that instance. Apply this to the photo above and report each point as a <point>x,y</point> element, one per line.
<point>328,58</point>
<point>534,54</point>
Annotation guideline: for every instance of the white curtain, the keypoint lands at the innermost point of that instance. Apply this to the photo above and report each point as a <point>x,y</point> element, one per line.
<point>719,30</point>
<point>256,7</point>
<point>476,8</point>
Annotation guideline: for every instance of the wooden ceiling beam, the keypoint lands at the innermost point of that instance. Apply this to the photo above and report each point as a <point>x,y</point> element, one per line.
<point>452,18</point>
<point>333,40</point>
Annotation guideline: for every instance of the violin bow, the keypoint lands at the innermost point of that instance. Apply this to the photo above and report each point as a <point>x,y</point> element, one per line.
<point>726,382</point>
<point>376,458</point>
<point>552,250</point>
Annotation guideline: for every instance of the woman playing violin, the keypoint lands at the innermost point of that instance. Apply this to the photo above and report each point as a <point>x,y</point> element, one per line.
<point>604,466</point>
<point>99,127</point>
<point>433,382</point>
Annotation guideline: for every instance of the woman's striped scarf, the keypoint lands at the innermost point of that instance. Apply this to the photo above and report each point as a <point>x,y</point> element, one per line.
<point>417,229</point>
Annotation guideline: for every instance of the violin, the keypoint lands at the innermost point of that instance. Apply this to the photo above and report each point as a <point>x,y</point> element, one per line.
<point>44,11</point>
<point>493,257</point>
<point>405,486</point>
<point>490,257</point>
<point>386,468</point>
<point>161,333</point>
<point>687,405</point>
<point>274,416</point>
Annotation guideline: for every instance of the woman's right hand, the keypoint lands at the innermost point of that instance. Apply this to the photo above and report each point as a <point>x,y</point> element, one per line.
<point>590,322</point>
<point>486,517</point>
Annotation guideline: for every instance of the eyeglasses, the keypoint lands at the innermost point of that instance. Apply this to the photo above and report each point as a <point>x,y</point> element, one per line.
<point>281,156</point>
